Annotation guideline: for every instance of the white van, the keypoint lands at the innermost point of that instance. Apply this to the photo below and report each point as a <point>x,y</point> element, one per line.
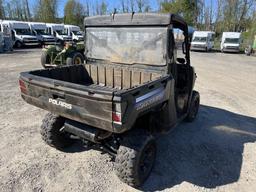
<point>230,42</point>
<point>57,30</point>
<point>21,33</point>
<point>40,31</point>
<point>202,40</point>
<point>75,32</point>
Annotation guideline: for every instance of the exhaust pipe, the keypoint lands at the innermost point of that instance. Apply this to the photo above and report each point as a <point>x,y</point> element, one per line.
<point>85,131</point>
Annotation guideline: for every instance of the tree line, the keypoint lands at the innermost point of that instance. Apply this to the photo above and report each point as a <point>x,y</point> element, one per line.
<point>217,15</point>
<point>74,11</point>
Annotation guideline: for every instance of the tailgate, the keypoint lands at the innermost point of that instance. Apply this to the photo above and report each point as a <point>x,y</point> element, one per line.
<point>77,102</point>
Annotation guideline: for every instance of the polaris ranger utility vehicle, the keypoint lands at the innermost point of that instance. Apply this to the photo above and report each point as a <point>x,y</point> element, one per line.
<point>130,88</point>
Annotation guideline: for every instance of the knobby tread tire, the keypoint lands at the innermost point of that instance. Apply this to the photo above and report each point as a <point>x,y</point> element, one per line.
<point>71,59</point>
<point>195,97</point>
<point>50,132</point>
<point>127,159</point>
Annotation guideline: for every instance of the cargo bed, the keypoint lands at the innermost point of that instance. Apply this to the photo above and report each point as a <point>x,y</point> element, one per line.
<point>90,93</point>
<point>100,76</point>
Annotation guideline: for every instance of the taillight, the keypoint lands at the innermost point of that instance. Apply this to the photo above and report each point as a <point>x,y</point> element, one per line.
<point>117,117</point>
<point>23,88</point>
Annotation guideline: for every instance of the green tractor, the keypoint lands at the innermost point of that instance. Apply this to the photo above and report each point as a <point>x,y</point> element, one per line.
<point>63,54</point>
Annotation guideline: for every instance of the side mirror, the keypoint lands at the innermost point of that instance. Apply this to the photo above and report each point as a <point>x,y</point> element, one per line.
<point>181,60</point>
<point>184,48</point>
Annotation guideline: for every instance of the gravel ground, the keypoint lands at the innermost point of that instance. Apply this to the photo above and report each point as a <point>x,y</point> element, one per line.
<point>215,153</point>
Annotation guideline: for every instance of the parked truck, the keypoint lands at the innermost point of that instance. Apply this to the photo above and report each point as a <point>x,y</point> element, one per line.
<point>203,40</point>
<point>75,32</point>
<point>131,87</point>
<point>230,42</point>
<point>57,30</point>
<point>40,31</point>
<point>21,33</point>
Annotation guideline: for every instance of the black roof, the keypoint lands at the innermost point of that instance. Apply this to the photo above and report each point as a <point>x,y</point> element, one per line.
<point>130,19</point>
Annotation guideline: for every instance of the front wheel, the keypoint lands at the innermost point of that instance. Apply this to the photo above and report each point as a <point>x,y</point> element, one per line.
<point>135,158</point>
<point>75,59</point>
<point>18,44</point>
<point>194,107</point>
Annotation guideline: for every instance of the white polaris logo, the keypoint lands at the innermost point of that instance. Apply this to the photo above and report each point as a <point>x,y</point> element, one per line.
<point>60,103</point>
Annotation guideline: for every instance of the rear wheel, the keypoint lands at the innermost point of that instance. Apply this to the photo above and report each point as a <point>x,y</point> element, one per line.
<point>194,107</point>
<point>135,158</point>
<point>50,132</point>
<point>45,59</point>
<point>75,59</point>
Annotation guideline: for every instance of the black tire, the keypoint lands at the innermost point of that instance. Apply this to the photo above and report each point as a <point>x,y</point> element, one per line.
<point>194,107</point>
<point>50,132</point>
<point>18,44</point>
<point>75,58</point>
<point>135,158</point>
<point>45,59</point>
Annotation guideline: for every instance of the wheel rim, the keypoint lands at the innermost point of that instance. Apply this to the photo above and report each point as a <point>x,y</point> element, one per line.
<point>78,60</point>
<point>147,160</point>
